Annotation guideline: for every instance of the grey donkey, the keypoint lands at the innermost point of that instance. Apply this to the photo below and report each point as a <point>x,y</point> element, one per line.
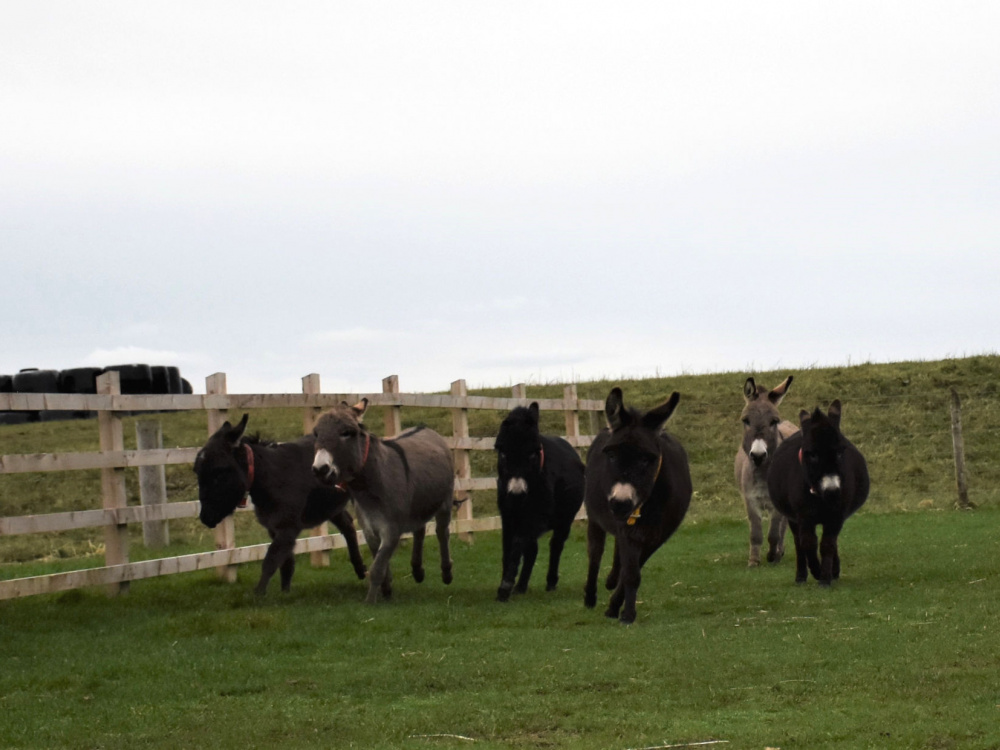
<point>398,485</point>
<point>763,432</point>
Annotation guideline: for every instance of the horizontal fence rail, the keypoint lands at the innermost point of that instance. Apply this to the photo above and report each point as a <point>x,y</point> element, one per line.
<point>110,405</point>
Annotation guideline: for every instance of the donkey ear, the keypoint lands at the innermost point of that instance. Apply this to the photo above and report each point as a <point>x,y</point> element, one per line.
<point>614,409</point>
<point>533,408</point>
<point>360,408</point>
<point>803,419</point>
<point>233,434</point>
<point>778,393</point>
<point>834,414</point>
<point>749,390</point>
<point>655,418</point>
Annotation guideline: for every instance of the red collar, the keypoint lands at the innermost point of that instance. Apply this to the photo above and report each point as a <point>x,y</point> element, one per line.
<point>250,473</point>
<point>342,486</point>
<point>541,458</point>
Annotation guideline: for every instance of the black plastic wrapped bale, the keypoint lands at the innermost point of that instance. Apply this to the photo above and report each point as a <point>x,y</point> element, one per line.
<point>10,417</point>
<point>135,379</point>
<point>33,380</point>
<point>165,378</point>
<point>80,380</point>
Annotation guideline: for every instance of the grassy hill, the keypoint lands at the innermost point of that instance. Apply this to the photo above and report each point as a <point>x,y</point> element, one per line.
<point>897,414</point>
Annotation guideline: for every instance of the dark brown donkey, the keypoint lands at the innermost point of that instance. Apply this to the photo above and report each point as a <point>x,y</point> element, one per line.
<point>638,488</point>
<point>286,496</point>
<point>818,478</point>
<point>398,485</point>
<point>763,431</point>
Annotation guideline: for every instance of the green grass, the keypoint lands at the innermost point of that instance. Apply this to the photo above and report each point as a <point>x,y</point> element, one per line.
<point>898,414</point>
<point>904,652</point>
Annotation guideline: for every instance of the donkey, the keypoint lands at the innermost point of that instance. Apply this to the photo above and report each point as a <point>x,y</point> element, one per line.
<point>398,486</point>
<point>818,478</point>
<point>539,488</point>
<point>286,496</point>
<point>638,488</point>
<point>763,432</point>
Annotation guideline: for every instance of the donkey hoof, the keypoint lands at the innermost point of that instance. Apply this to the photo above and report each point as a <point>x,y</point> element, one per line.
<point>551,585</point>
<point>611,613</point>
<point>627,619</point>
<point>589,600</point>
<point>418,575</point>
<point>446,575</point>
<point>753,563</point>
<point>774,557</point>
<point>503,594</point>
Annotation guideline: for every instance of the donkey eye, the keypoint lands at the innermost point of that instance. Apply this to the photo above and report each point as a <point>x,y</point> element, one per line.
<point>746,421</point>
<point>774,422</point>
<point>348,433</point>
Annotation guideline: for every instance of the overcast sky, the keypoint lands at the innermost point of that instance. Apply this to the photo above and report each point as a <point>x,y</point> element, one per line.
<point>501,192</point>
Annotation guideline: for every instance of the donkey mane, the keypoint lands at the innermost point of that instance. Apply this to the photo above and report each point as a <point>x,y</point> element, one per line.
<point>256,439</point>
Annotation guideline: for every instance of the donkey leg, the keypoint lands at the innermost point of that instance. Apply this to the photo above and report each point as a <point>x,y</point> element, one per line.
<point>442,529</point>
<point>756,533</point>
<point>810,546</point>
<point>776,537</point>
<point>556,545</point>
<point>379,576</point>
<point>530,553</point>
<point>417,555</point>
<point>629,587</point>
<point>595,551</point>
<point>507,574</point>
<point>613,577</point>
<point>828,553</point>
<point>346,527</point>
<point>279,551</point>
<point>287,571</point>
<point>800,558</point>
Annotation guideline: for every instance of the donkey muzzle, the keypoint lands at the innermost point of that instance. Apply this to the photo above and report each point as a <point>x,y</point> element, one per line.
<point>622,500</point>
<point>324,469</point>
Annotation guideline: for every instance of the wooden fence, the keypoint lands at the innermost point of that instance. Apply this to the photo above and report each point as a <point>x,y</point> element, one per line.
<point>113,459</point>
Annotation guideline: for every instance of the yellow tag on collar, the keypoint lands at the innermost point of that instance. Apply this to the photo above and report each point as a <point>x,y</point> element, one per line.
<point>638,511</point>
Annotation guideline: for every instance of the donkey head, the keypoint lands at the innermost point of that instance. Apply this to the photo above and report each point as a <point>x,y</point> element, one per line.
<point>520,457</point>
<point>342,443</point>
<point>760,419</point>
<point>223,480</point>
<point>633,452</point>
<point>823,447</point>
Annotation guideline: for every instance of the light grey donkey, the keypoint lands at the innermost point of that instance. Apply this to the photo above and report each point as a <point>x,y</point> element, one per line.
<point>763,432</point>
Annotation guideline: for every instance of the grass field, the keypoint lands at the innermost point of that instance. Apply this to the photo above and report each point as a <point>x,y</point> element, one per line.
<point>904,652</point>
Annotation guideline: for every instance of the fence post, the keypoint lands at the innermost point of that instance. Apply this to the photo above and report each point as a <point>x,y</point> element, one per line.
<point>463,464</point>
<point>152,483</point>
<point>225,532</point>
<point>310,385</point>
<point>958,444</point>
<point>519,391</point>
<point>113,480</point>
<point>572,416</point>
<point>393,414</point>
